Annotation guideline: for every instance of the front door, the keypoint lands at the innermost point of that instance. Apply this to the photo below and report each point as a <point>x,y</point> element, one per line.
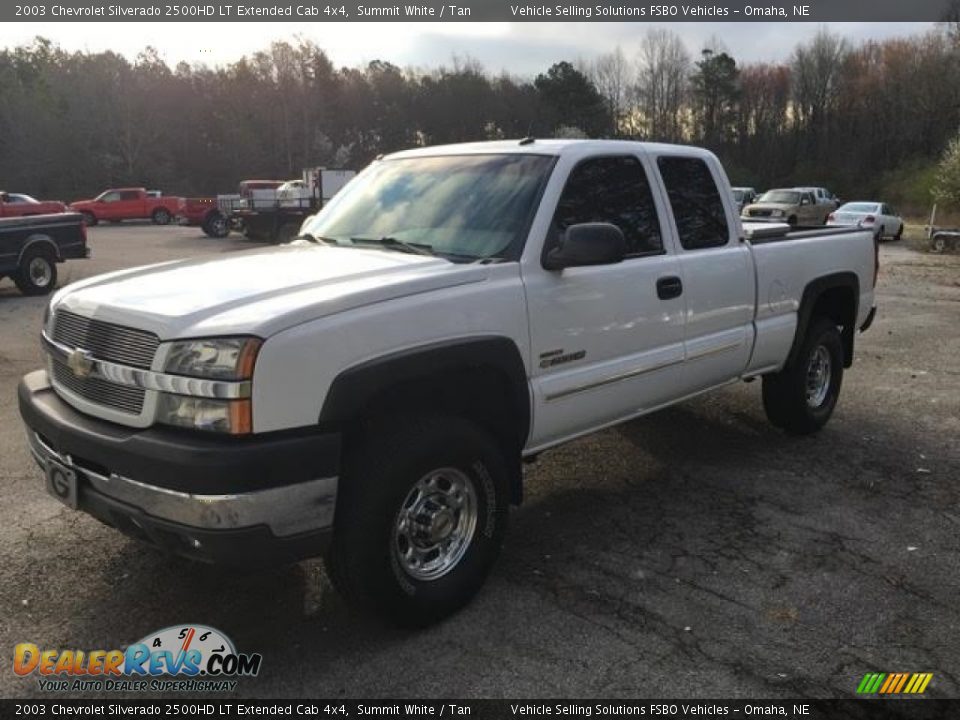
<point>606,341</point>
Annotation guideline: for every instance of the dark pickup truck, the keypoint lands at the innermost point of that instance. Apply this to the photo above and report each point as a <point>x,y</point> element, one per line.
<point>31,247</point>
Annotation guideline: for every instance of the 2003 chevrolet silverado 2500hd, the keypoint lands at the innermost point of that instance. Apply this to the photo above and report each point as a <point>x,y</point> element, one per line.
<point>370,391</point>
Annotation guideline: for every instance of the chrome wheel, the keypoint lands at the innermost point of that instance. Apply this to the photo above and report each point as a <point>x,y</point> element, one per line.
<point>40,272</point>
<point>818,377</point>
<point>436,524</point>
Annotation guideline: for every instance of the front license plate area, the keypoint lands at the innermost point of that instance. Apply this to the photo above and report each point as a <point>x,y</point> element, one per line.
<point>62,483</point>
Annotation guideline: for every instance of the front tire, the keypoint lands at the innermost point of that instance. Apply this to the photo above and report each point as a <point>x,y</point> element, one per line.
<point>420,519</point>
<point>801,398</point>
<point>89,218</point>
<point>37,273</point>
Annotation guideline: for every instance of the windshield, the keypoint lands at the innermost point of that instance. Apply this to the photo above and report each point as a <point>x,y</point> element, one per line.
<point>859,208</point>
<point>786,197</point>
<point>463,207</point>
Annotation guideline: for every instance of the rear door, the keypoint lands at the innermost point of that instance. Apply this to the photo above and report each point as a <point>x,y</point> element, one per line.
<point>810,212</point>
<point>132,204</point>
<point>606,341</point>
<point>890,222</point>
<point>718,276</point>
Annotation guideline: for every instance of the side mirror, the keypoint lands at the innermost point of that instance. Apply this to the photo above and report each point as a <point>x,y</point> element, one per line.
<point>587,244</point>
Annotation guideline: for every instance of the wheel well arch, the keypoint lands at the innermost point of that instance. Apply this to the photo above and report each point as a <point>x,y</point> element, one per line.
<point>482,378</point>
<point>40,240</point>
<point>835,297</point>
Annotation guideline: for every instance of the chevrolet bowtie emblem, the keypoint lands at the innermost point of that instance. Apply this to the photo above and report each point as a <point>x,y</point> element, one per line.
<point>80,361</point>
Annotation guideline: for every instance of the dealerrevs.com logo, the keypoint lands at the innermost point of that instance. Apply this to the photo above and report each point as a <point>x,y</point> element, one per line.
<point>186,658</point>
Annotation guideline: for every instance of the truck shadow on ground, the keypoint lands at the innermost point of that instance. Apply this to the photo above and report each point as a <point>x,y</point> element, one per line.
<point>693,517</point>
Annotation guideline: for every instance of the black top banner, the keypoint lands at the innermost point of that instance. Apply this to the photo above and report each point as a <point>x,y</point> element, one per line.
<point>482,11</point>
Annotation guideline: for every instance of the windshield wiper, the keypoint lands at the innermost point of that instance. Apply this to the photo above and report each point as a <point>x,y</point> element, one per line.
<point>316,238</point>
<point>400,245</point>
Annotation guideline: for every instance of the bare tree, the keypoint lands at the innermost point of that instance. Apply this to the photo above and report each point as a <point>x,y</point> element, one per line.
<point>662,67</point>
<point>817,68</point>
<point>611,74</point>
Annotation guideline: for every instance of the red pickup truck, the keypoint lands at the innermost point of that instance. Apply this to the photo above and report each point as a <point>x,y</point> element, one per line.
<point>119,204</point>
<point>20,205</point>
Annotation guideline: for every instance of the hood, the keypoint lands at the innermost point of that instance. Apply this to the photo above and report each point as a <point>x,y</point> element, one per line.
<point>258,292</point>
<point>81,203</point>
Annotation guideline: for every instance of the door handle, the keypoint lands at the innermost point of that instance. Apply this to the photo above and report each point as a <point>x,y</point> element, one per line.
<point>669,287</point>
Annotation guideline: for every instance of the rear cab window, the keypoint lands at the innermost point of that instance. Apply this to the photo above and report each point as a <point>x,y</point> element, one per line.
<point>698,209</point>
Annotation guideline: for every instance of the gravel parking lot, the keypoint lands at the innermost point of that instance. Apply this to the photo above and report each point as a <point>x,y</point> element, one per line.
<point>698,552</point>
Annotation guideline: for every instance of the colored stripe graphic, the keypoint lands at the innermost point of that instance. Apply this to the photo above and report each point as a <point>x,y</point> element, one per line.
<point>891,679</point>
<point>894,683</point>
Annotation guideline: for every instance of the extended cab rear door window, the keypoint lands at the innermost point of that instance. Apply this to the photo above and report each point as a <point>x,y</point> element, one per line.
<point>698,210</point>
<point>613,190</point>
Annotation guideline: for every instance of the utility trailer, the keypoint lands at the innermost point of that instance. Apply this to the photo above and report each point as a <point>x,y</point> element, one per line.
<point>275,215</point>
<point>943,239</point>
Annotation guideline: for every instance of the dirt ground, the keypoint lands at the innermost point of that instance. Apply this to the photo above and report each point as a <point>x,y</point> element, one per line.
<point>694,553</point>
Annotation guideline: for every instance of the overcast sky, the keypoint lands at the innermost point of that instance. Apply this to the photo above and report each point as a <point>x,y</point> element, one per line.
<point>520,48</point>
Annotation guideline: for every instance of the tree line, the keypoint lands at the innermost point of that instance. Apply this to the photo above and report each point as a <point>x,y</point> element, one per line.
<point>867,120</point>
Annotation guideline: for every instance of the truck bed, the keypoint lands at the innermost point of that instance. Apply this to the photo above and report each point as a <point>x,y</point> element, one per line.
<point>787,260</point>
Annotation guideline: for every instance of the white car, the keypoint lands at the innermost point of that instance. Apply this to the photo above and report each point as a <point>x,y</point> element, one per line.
<point>878,217</point>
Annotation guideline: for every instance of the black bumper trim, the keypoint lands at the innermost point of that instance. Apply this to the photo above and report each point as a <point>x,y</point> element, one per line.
<point>177,460</point>
<point>251,547</point>
<point>869,321</point>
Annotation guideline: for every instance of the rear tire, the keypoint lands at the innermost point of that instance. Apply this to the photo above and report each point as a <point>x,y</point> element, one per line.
<point>421,515</point>
<point>801,398</point>
<point>161,216</point>
<point>286,233</point>
<point>216,226</point>
<point>37,273</point>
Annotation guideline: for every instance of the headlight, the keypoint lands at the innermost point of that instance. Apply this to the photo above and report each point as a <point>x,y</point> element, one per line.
<point>227,416</point>
<point>215,358</point>
<point>220,359</point>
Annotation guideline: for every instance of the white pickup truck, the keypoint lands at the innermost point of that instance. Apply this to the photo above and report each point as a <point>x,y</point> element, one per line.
<point>370,391</point>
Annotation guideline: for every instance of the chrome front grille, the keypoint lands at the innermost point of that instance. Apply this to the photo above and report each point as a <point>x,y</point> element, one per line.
<point>106,341</point>
<point>97,390</point>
